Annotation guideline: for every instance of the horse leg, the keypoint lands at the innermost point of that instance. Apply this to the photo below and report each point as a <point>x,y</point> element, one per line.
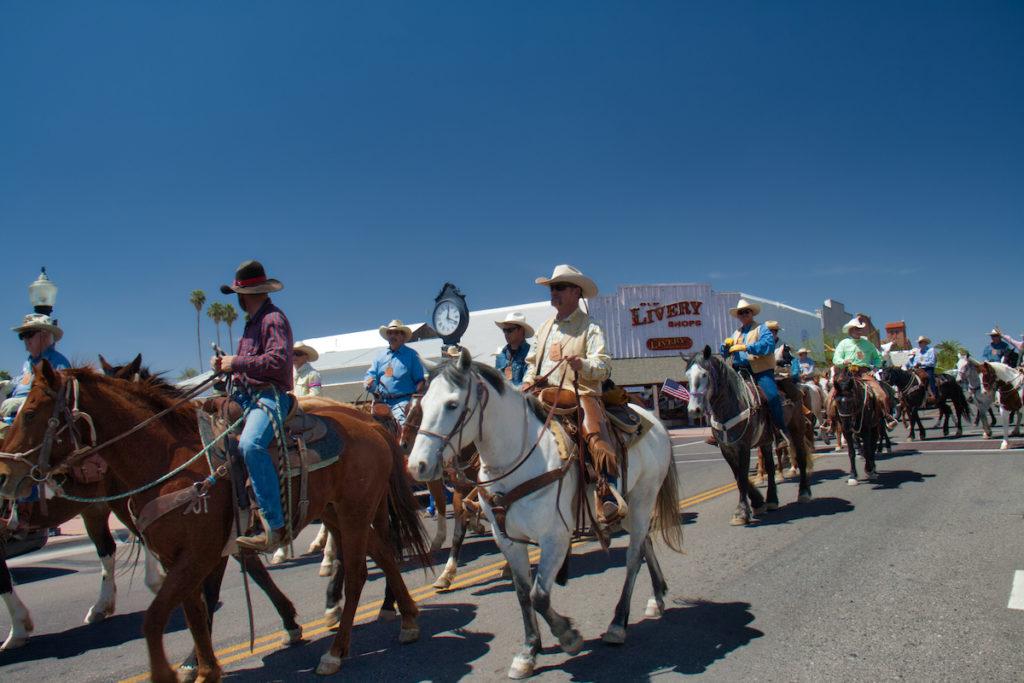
<point>740,470</point>
<point>257,571</point>
<point>772,494</point>
<point>852,480</point>
<point>330,548</point>
<point>395,589</point>
<point>1006,437</point>
<point>197,618</point>
<point>319,543</point>
<point>211,596</point>
<point>444,581</point>
<point>437,490</point>
<point>761,470</point>
<point>656,605</point>
<point>154,571</point>
<point>182,579</point>
<point>554,548</point>
<point>21,620</point>
<point>516,555</point>
<point>353,544</point>
<point>96,525</point>
<point>332,608</point>
<point>616,633</point>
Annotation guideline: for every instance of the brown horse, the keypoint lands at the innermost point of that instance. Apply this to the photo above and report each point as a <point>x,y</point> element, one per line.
<point>363,497</point>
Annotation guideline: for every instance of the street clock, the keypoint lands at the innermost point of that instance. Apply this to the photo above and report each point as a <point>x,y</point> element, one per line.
<point>451,315</point>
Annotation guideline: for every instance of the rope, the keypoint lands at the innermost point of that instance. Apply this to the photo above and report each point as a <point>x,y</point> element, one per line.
<point>176,471</point>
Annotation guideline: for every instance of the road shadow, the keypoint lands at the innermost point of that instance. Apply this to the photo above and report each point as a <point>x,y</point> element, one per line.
<point>896,478</point>
<point>815,507</point>
<point>827,475</point>
<point>686,640</point>
<point>113,631</point>
<point>445,651</point>
<point>23,575</point>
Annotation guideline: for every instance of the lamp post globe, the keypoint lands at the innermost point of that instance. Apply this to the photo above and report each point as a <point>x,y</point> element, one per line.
<point>42,294</point>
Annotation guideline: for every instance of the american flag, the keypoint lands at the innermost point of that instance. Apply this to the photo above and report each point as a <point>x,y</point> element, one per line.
<point>675,389</point>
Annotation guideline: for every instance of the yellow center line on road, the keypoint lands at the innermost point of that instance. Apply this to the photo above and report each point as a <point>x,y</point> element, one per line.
<point>273,641</point>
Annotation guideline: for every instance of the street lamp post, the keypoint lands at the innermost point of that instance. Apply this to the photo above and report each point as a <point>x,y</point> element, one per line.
<point>42,294</point>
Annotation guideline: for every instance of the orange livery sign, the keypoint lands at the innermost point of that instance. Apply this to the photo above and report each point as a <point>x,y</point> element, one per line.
<point>669,343</point>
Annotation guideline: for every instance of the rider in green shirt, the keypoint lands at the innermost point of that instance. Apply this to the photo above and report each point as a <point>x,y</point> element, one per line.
<point>859,355</point>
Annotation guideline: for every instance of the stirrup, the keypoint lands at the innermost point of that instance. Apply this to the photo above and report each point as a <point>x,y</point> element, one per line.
<point>608,517</point>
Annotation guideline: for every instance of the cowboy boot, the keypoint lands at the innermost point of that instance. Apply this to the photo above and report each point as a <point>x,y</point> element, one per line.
<point>266,541</point>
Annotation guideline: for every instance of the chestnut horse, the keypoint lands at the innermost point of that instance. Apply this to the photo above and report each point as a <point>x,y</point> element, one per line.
<point>363,497</point>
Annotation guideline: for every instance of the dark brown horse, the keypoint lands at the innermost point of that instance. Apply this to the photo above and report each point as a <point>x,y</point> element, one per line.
<point>363,498</point>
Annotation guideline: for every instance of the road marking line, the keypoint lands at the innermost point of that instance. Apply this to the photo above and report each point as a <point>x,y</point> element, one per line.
<point>688,443</point>
<point>1017,592</point>
<point>684,462</point>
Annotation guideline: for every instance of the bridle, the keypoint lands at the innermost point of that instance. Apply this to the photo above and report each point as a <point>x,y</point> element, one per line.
<point>863,403</point>
<point>464,417</point>
<point>741,418</point>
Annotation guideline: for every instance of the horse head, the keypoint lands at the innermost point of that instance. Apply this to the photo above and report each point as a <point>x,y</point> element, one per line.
<point>129,371</point>
<point>700,376</point>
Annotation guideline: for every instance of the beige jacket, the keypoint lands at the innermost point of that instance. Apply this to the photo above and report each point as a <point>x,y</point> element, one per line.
<point>306,381</point>
<point>578,335</point>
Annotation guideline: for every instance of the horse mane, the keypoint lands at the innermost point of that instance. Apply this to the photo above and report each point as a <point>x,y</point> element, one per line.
<point>154,392</point>
<point>1003,371</point>
<point>732,378</point>
<point>450,370</point>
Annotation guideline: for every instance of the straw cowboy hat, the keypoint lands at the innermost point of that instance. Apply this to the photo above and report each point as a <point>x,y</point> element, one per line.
<point>854,323</point>
<point>743,303</point>
<point>39,321</point>
<point>572,275</point>
<point>513,319</point>
<point>396,325</point>
<point>773,325</point>
<point>995,332</point>
<point>308,351</point>
<point>924,339</point>
<point>250,278</point>
<point>802,350</point>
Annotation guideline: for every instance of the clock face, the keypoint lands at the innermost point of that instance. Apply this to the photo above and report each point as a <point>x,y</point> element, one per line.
<point>447,317</point>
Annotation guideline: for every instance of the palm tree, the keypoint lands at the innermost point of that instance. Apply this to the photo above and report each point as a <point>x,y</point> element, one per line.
<point>215,311</point>
<point>197,298</point>
<point>188,373</point>
<point>947,354</point>
<point>230,315</point>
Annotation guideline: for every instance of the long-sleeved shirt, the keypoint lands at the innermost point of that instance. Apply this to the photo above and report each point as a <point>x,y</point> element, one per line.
<point>860,352</point>
<point>923,358</point>
<point>515,361</point>
<point>994,352</point>
<point>397,372</point>
<point>806,366</point>
<point>265,350</point>
<point>306,381</point>
<point>764,346</point>
<point>23,383</point>
<point>576,328</point>
<point>1017,344</point>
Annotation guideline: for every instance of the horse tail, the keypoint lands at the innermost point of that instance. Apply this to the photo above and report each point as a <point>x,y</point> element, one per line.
<point>666,510</point>
<point>960,401</point>
<point>408,533</point>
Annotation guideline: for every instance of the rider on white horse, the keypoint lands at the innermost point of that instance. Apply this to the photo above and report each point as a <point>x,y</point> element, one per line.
<point>752,348</point>
<point>570,349</point>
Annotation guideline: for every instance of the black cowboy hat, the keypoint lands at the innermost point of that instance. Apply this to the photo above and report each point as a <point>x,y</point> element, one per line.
<point>250,278</point>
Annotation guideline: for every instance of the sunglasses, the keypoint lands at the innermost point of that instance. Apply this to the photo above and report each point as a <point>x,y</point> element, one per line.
<point>561,286</point>
<point>509,330</point>
<point>744,311</point>
<point>28,334</point>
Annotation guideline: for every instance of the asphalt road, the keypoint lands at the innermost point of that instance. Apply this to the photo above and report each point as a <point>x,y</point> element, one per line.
<point>909,578</point>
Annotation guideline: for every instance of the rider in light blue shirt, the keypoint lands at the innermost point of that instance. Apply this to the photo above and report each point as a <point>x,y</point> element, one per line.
<point>924,358</point>
<point>40,334</point>
<point>398,371</point>
<point>998,348</point>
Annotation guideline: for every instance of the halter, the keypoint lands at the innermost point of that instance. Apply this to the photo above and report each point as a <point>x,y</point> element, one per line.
<point>863,406</point>
<point>743,417</point>
<point>464,417</point>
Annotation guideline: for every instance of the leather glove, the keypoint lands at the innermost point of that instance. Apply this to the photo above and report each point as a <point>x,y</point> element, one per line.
<point>737,347</point>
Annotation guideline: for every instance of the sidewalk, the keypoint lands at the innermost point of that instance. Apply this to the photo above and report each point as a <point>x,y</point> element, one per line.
<point>73,532</point>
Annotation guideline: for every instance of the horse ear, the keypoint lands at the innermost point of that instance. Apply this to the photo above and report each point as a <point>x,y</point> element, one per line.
<point>135,365</point>
<point>107,367</point>
<point>465,360</point>
<point>707,352</point>
<point>45,373</point>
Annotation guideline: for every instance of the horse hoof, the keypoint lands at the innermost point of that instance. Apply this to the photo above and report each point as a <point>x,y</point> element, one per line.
<point>327,569</point>
<point>572,642</point>
<point>506,571</point>
<point>739,520</point>
<point>409,635</point>
<point>443,583</point>
<point>771,506</point>
<point>188,673</point>
<point>1004,445</point>
<point>615,635</point>
<point>839,449</point>
<point>760,510</point>
<point>278,557</point>
<point>315,547</point>
<point>852,482</point>
<point>328,665</point>
<point>95,616</point>
<point>13,643</point>
<point>804,497</point>
<point>793,472</point>
<point>293,636</point>
<point>386,614</point>
<point>522,667</point>
<point>872,476</point>
<point>654,609</point>
<point>436,544</point>
<point>332,617</point>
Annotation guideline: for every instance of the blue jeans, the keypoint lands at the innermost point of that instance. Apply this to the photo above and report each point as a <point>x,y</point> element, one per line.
<point>931,381</point>
<point>766,380</point>
<point>398,409</point>
<point>257,434</point>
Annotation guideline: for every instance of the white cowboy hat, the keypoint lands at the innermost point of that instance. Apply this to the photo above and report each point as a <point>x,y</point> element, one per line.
<point>306,350</point>
<point>924,339</point>
<point>743,303</point>
<point>572,275</point>
<point>802,350</point>
<point>39,321</point>
<point>854,323</point>
<point>773,325</point>
<point>396,325</point>
<point>995,332</point>
<point>515,318</point>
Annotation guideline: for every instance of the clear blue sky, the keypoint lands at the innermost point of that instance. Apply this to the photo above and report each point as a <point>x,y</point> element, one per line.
<point>870,152</point>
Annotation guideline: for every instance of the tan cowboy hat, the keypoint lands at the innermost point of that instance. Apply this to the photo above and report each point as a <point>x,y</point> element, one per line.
<point>396,325</point>
<point>513,319</point>
<point>250,278</point>
<point>572,275</point>
<point>39,321</point>
<point>773,325</point>
<point>924,339</point>
<point>306,350</point>
<point>995,332</point>
<point>743,303</point>
<point>802,350</point>
<point>854,323</point>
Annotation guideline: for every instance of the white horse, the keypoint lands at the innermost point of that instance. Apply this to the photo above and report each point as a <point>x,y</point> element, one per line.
<point>1004,382</point>
<point>471,402</point>
<point>969,375</point>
